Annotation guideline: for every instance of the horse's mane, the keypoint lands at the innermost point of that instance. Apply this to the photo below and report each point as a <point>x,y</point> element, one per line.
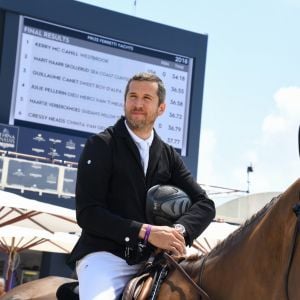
<point>256,217</point>
<point>190,260</point>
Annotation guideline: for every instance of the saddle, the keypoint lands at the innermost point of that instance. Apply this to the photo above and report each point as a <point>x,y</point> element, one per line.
<point>145,285</point>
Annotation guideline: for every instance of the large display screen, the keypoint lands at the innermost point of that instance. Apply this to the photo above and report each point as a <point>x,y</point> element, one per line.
<point>75,80</point>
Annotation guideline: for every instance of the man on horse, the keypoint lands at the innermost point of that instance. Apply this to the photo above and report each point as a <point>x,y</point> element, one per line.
<point>116,169</point>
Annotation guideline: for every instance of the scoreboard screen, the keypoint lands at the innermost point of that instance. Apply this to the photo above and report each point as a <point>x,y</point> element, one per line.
<point>76,80</point>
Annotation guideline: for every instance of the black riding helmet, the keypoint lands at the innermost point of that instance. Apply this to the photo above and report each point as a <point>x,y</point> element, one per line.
<point>165,204</point>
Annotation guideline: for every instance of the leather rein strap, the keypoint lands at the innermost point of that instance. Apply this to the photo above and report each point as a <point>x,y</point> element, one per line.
<point>296,210</point>
<point>175,264</point>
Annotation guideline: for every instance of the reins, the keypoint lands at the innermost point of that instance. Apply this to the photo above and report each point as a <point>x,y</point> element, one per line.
<point>296,210</point>
<point>175,264</point>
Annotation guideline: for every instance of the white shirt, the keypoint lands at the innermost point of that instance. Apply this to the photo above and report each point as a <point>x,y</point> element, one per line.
<point>143,146</point>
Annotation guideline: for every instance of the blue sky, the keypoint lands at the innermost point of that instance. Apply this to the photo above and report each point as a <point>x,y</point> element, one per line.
<point>251,103</point>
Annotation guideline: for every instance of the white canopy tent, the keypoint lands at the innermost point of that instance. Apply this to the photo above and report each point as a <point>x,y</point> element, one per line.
<point>15,239</point>
<point>21,211</point>
<point>211,236</point>
<point>30,224</point>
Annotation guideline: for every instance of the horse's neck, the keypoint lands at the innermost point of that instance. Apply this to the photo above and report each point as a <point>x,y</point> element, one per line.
<point>258,252</point>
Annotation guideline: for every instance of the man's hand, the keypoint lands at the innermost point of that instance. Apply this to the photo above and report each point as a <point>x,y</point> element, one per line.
<point>166,238</point>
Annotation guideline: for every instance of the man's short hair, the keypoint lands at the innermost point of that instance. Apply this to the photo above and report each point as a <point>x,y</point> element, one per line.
<point>161,91</point>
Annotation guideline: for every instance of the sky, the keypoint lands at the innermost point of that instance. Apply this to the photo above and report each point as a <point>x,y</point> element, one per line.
<point>251,101</point>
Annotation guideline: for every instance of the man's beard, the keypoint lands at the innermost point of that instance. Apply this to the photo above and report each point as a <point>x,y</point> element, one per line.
<point>135,124</point>
<point>138,124</point>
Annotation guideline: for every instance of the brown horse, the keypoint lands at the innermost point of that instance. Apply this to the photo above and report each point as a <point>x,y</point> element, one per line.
<point>259,261</point>
<point>40,289</point>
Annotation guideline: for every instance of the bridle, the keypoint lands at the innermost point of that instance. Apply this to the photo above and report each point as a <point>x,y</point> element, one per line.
<point>296,210</point>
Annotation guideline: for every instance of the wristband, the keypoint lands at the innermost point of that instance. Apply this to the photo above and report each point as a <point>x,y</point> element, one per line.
<point>147,234</point>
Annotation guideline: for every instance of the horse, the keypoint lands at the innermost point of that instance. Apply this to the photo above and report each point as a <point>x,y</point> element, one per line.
<point>260,260</point>
<point>39,289</point>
